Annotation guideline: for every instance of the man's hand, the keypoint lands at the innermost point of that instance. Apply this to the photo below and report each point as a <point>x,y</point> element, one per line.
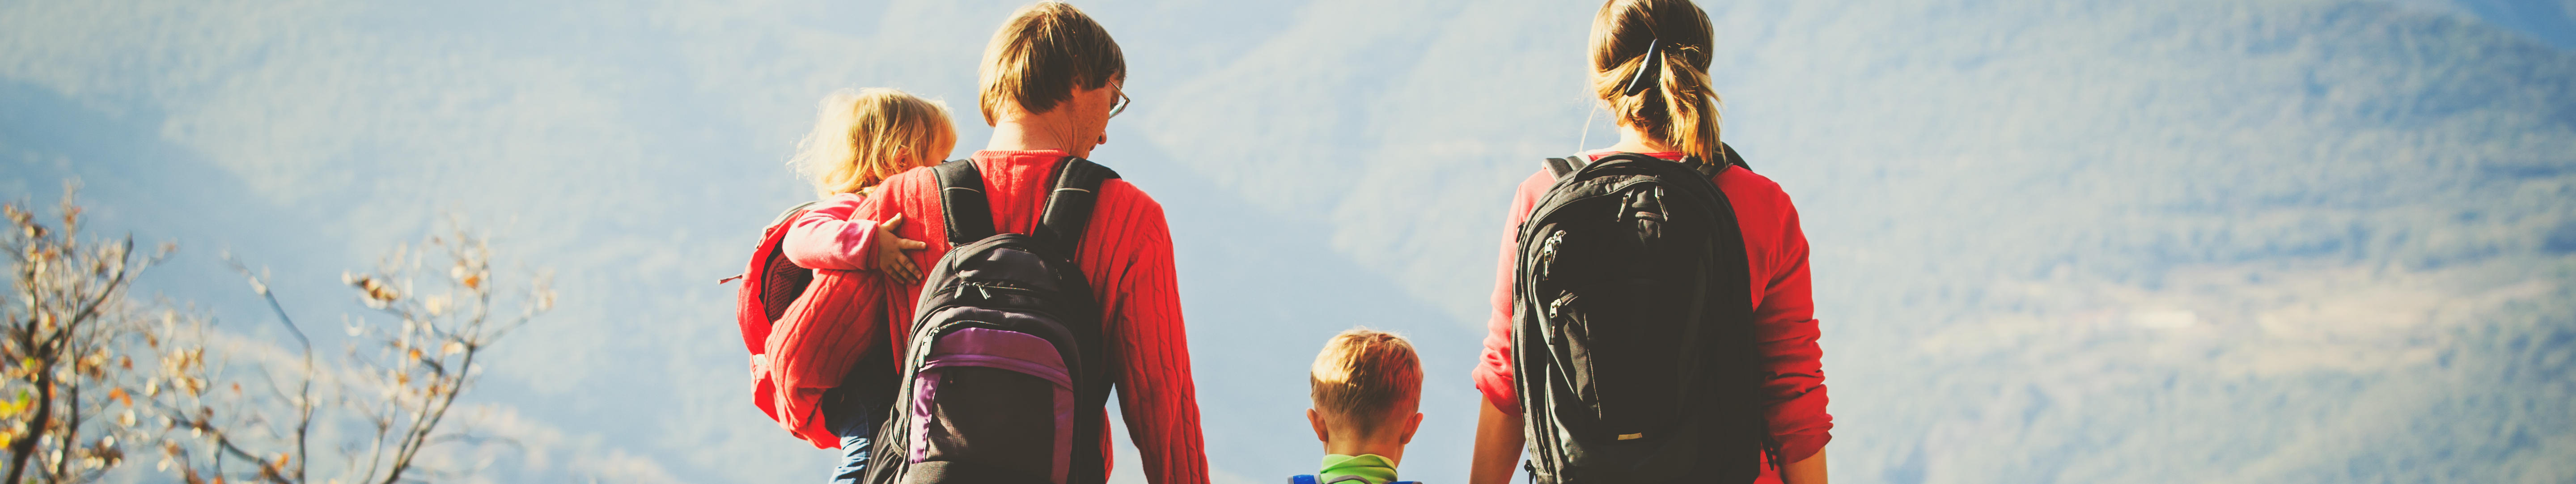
<point>890,259</point>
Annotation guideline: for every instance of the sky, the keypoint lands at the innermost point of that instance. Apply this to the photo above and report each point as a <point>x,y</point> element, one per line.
<point>2054,241</point>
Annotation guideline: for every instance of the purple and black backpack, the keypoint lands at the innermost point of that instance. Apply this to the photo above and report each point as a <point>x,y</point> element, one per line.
<point>1004,381</point>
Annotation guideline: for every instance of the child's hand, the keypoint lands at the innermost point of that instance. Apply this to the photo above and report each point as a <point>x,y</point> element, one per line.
<point>890,259</point>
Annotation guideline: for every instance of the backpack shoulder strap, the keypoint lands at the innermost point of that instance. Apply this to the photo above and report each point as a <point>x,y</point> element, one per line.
<point>1728,152</point>
<point>770,236</point>
<point>1560,167</point>
<point>1606,158</point>
<point>1705,169</point>
<point>961,198</point>
<point>790,214</point>
<point>1075,191</point>
<point>1726,160</point>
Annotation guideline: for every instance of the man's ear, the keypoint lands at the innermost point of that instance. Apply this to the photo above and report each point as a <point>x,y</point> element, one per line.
<point>1322,433</point>
<point>1410,425</point>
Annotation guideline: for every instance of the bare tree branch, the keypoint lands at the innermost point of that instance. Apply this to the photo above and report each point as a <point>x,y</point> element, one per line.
<point>416,362</point>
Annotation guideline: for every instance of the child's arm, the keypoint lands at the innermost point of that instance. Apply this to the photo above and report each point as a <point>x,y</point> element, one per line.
<point>826,237</point>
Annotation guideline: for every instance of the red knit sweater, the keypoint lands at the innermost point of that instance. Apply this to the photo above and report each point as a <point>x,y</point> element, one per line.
<point>1783,310</point>
<point>1126,253</point>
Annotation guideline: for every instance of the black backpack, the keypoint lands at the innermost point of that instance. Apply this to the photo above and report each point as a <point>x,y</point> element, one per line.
<point>1632,337</point>
<point>1003,380</point>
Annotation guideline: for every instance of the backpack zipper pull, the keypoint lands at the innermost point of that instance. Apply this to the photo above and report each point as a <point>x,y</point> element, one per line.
<point>1560,303</point>
<point>1547,256</point>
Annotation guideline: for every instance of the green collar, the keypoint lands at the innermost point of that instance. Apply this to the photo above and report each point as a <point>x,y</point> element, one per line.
<point>1368,466</point>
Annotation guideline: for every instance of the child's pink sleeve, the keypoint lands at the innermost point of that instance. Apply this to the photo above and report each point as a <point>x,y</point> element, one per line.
<point>825,237</point>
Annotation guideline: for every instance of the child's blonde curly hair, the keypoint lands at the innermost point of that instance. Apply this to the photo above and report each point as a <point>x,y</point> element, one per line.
<point>861,137</point>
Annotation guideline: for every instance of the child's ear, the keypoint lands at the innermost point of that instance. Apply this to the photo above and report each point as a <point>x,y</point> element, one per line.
<point>1410,425</point>
<point>1322,433</point>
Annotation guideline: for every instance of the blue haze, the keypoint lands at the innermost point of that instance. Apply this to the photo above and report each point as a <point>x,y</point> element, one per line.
<point>2055,241</point>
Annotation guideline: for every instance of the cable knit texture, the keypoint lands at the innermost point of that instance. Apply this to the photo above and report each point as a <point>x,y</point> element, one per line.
<point>1783,314</point>
<point>1126,253</point>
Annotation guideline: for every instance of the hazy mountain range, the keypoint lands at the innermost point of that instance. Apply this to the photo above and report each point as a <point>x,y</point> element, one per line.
<point>2055,241</point>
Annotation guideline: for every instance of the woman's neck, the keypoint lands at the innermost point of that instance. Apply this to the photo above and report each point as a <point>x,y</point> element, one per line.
<point>1634,140</point>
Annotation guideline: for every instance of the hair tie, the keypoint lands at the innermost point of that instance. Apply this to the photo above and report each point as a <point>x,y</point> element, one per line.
<point>1638,84</point>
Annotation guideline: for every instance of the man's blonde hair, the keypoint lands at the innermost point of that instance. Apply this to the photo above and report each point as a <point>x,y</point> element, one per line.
<point>861,137</point>
<point>1365,375</point>
<point>1038,58</point>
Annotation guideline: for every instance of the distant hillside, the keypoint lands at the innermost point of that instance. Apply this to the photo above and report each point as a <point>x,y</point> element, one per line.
<point>2055,241</point>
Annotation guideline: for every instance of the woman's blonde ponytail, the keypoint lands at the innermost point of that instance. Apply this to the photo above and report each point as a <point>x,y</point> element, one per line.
<point>1681,109</point>
<point>1690,107</point>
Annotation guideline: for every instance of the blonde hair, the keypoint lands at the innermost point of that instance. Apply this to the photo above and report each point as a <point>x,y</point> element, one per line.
<point>1041,54</point>
<point>1363,375</point>
<point>861,137</point>
<point>1679,108</point>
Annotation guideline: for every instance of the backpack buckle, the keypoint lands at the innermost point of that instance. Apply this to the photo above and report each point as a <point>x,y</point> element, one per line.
<point>1646,209</point>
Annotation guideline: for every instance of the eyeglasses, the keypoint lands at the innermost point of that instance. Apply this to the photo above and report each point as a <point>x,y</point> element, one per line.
<point>1123,102</point>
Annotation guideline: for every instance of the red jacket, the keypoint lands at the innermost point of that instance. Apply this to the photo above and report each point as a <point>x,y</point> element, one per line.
<point>1126,253</point>
<point>1784,312</point>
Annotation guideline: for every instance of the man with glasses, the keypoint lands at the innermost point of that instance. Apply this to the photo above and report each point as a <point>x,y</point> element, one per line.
<point>1051,80</point>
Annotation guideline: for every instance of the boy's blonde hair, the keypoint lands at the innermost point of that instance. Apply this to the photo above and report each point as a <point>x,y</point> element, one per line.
<point>861,137</point>
<point>1365,375</point>
<point>1038,58</point>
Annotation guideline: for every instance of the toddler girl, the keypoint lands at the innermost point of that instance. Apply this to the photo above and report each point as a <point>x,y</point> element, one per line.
<point>859,139</point>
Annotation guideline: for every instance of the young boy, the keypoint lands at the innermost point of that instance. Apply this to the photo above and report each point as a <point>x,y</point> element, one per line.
<point>1366,385</point>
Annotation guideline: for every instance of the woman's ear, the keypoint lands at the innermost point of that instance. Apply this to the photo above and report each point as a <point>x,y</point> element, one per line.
<point>1322,432</point>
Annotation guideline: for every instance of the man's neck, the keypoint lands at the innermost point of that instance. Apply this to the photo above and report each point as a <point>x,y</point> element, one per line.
<point>1038,132</point>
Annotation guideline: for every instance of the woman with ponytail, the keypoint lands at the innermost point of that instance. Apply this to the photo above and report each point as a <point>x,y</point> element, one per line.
<point>1650,61</point>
